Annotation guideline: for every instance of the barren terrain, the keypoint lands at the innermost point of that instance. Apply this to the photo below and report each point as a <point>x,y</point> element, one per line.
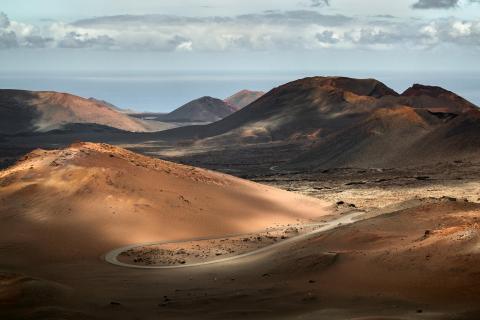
<point>413,242</point>
<point>326,198</point>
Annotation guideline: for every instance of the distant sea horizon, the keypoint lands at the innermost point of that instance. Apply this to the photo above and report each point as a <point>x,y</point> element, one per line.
<point>166,91</point>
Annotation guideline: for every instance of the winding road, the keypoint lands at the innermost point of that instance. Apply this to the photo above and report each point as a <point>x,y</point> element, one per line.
<point>111,256</point>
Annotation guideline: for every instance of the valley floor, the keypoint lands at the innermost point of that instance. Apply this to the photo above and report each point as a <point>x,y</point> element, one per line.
<point>384,267</point>
<point>413,254</point>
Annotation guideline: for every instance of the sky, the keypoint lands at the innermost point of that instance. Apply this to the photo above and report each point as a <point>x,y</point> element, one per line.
<point>258,35</point>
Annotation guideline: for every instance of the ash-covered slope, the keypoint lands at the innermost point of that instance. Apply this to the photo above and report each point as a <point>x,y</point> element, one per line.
<point>29,111</point>
<point>205,109</point>
<point>296,109</point>
<point>350,122</point>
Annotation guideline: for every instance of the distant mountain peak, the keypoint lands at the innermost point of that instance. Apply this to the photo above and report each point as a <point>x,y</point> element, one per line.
<point>420,89</point>
<point>361,87</point>
<point>438,98</point>
<point>203,109</point>
<point>243,98</point>
<point>28,111</point>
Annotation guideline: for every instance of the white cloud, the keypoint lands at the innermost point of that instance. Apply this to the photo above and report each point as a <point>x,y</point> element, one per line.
<point>268,31</point>
<point>435,4</point>
<point>4,21</point>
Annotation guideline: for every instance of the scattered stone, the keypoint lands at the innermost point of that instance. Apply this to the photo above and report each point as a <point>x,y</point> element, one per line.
<point>422,177</point>
<point>309,298</point>
<point>354,183</point>
<point>449,198</point>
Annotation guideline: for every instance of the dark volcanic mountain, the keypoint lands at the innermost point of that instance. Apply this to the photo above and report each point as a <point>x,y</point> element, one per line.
<point>243,98</point>
<point>308,124</point>
<point>29,111</point>
<point>205,109</point>
<point>349,122</point>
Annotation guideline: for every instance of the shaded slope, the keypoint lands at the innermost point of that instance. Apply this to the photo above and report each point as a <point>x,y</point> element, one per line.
<point>205,109</point>
<point>295,110</point>
<point>23,111</point>
<point>243,98</point>
<point>94,197</point>
<point>436,99</point>
<point>350,122</point>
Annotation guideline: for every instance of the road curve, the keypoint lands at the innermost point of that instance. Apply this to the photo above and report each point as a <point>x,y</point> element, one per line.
<point>111,256</point>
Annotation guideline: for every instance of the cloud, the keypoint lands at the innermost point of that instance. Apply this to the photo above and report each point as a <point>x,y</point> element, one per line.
<point>435,4</point>
<point>376,36</point>
<point>265,31</point>
<point>8,40</point>
<point>76,40</point>
<point>4,21</point>
<point>35,41</point>
<point>14,34</point>
<point>327,37</point>
<point>319,3</point>
<point>452,31</point>
<point>296,17</point>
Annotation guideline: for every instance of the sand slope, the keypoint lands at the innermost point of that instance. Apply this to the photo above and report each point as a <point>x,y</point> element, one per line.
<point>89,198</point>
<point>25,111</point>
<point>427,255</point>
<point>60,211</point>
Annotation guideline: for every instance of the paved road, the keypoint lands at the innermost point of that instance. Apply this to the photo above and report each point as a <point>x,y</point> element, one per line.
<point>111,257</point>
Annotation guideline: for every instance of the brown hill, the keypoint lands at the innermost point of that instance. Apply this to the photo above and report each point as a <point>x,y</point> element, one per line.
<point>436,99</point>
<point>205,109</point>
<point>26,111</point>
<point>298,108</point>
<point>243,98</point>
<point>95,197</point>
<point>61,210</point>
<point>335,121</point>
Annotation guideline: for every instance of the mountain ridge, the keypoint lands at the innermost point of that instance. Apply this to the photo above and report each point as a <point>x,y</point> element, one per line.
<point>23,110</point>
